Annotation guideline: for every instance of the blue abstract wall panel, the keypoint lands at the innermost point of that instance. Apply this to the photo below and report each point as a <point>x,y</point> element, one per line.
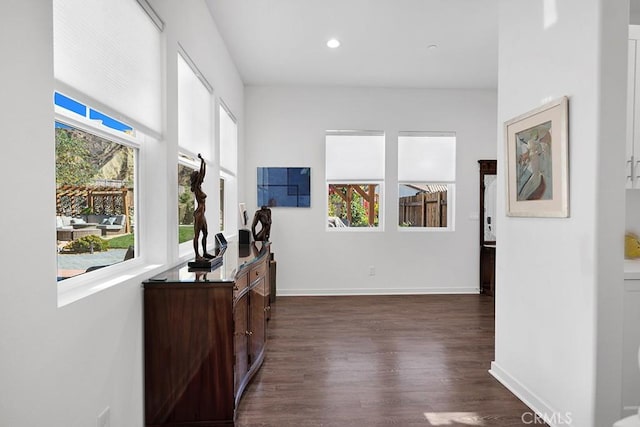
<point>284,187</point>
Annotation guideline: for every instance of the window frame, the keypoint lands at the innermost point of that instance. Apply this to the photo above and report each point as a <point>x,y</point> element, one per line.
<point>223,201</point>
<point>357,181</point>
<point>186,159</point>
<point>80,76</point>
<point>378,228</point>
<point>228,221</point>
<point>94,126</point>
<point>451,185</point>
<point>186,130</point>
<point>451,191</point>
<point>77,287</point>
<point>146,142</point>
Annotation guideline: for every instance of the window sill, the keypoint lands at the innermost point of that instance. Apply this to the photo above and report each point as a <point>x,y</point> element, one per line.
<point>354,229</point>
<point>425,229</point>
<point>79,287</point>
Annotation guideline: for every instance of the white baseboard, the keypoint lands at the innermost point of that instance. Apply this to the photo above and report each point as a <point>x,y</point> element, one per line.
<point>529,398</point>
<point>374,291</point>
<point>627,411</point>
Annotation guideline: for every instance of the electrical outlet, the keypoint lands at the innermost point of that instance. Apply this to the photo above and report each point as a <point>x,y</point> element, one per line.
<point>104,419</point>
<point>372,270</point>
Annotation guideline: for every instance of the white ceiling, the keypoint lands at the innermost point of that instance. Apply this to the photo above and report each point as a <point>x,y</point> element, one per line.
<point>384,42</point>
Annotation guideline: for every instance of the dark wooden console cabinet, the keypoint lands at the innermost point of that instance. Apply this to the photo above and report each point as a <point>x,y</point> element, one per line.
<point>204,338</point>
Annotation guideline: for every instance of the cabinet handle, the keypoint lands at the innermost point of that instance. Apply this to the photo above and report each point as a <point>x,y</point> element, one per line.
<point>267,308</point>
<point>630,163</point>
<point>249,333</point>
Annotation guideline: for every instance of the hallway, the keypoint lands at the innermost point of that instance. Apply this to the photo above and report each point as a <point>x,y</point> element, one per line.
<point>409,360</point>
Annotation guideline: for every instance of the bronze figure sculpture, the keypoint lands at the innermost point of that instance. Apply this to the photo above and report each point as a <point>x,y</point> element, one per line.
<point>199,220</point>
<point>262,217</point>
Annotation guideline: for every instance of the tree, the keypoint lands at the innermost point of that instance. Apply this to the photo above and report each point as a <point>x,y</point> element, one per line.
<point>186,208</point>
<point>73,159</point>
<point>338,206</point>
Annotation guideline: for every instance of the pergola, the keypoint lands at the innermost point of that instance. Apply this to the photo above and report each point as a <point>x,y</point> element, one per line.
<point>107,200</point>
<point>345,191</point>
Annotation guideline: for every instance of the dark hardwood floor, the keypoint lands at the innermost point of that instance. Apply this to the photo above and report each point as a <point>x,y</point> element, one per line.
<point>380,361</point>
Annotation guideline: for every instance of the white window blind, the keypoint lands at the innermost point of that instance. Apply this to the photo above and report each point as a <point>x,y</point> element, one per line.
<point>228,142</point>
<point>426,157</point>
<point>195,112</point>
<point>110,51</point>
<point>354,157</point>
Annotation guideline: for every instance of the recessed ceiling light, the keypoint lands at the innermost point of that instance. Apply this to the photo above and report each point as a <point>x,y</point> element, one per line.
<point>333,43</point>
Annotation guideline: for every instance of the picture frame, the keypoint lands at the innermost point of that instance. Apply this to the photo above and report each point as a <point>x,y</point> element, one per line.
<point>284,187</point>
<point>537,160</point>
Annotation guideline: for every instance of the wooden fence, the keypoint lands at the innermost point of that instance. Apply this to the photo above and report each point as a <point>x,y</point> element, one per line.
<point>424,210</point>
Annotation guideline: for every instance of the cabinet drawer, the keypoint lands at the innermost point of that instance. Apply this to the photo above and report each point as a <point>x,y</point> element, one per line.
<point>241,283</point>
<point>257,272</point>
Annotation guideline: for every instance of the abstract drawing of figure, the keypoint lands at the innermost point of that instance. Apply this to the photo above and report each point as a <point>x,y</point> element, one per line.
<point>534,163</point>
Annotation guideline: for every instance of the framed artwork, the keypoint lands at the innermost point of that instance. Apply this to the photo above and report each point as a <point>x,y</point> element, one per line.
<point>284,187</point>
<point>537,160</point>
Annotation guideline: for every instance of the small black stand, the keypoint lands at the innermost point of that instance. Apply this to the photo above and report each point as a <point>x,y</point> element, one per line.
<point>244,250</point>
<point>206,264</point>
<point>244,236</point>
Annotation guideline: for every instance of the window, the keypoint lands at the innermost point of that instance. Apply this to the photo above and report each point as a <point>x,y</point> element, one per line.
<point>95,189</point>
<point>354,205</point>
<point>111,53</point>
<point>186,201</point>
<point>195,110</point>
<point>221,204</point>
<point>355,174</point>
<point>97,118</point>
<point>228,170</point>
<point>195,136</point>
<point>426,178</point>
<point>107,61</point>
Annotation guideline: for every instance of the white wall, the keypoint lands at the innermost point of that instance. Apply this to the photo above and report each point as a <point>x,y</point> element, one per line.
<point>559,281</point>
<point>61,367</point>
<point>286,127</point>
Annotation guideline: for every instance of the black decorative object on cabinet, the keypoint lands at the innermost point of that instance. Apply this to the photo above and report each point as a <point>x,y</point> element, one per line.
<point>262,218</point>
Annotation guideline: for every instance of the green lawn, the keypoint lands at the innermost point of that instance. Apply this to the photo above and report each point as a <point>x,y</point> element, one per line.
<point>185,233</point>
<point>121,242</point>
